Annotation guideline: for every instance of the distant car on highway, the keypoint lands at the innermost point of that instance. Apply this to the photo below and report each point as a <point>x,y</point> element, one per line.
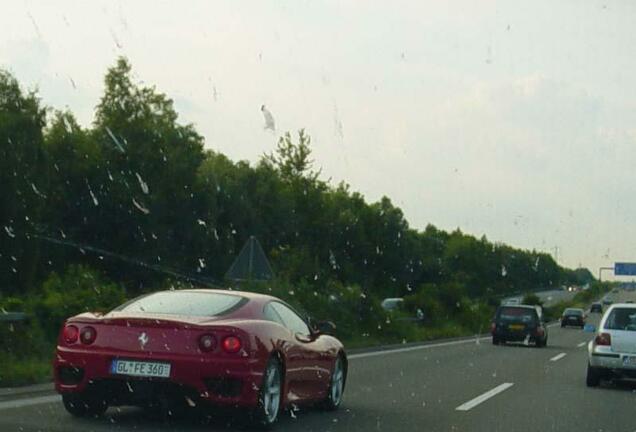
<point>612,352</point>
<point>519,323</point>
<point>199,347</point>
<point>596,308</point>
<point>607,301</point>
<point>396,304</point>
<point>573,317</point>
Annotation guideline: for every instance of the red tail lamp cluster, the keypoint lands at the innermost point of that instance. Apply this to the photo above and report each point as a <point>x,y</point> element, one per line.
<point>603,339</point>
<point>207,343</point>
<point>72,334</point>
<point>88,335</point>
<point>229,344</point>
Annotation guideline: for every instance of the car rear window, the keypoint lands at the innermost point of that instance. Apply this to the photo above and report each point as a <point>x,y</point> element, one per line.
<point>573,312</point>
<point>517,314</point>
<point>184,303</point>
<point>621,319</point>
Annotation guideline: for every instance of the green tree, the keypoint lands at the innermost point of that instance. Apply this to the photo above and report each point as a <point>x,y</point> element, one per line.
<point>23,183</point>
<point>293,161</point>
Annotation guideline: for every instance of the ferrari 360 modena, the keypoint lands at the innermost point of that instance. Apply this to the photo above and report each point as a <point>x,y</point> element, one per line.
<point>199,347</point>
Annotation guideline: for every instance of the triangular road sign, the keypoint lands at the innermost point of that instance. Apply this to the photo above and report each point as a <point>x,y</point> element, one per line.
<point>250,264</point>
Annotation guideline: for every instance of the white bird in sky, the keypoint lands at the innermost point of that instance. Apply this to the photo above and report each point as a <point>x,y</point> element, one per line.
<point>269,119</point>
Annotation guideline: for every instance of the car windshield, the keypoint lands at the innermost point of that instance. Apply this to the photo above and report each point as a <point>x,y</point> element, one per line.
<point>183,303</point>
<point>397,173</point>
<point>517,314</point>
<point>621,319</point>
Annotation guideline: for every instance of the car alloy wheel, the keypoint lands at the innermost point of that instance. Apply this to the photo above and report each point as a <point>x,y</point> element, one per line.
<point>336,385</point>
<point>270,398</point>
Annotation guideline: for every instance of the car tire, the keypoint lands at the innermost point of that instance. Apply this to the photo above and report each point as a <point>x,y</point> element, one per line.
<point>562,325</point>
<point>336,385</point>
<point>593,378</point>
<point>495,340</point>
<point>80,406</point>
<point>270,397</point>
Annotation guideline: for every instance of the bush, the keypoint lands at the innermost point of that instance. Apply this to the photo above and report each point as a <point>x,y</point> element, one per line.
<point>531,299</point>
<point>79,289</point>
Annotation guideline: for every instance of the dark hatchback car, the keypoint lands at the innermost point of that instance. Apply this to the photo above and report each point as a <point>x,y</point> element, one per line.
<point>596,308</point>
<point>520,323</point>
<point>573,317</point>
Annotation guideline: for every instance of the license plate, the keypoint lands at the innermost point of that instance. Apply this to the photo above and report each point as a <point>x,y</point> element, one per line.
<point>516,327</point>
<point>140,368</point>
<point>629,360</point>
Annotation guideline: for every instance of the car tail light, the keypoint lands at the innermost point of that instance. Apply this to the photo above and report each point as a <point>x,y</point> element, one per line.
<point>207,343</point>
<point>603,339</point>
<point>231,344</point>
<point>70,334</point>
<point>88,335</point>
<point>540,331</point>
<point>493,327</point>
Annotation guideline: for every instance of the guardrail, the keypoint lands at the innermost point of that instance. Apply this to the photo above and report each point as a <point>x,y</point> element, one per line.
<point>13,317</point>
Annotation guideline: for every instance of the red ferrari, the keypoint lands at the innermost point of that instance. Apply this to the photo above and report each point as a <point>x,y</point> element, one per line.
<point>225,348</point>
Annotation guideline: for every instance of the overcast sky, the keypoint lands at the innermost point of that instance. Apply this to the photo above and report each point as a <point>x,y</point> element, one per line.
<point>512,119</point>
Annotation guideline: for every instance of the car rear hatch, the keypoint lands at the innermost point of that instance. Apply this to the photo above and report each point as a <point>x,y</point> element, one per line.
<point>517,320</point>
<point>154,334</point>
<point>624,341</point>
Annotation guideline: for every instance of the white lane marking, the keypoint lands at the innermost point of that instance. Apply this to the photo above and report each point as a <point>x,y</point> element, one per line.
<point>415,348</point>
<point>21,403</point>
<point>484,397</point>
<point>558,357</point>
<point>582,344</point>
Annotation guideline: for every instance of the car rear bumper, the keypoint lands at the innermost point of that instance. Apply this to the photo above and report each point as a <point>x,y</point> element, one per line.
<point>222,381</point>
<point>517,336</point>
<point>613,363</point>
<point>569,322</point>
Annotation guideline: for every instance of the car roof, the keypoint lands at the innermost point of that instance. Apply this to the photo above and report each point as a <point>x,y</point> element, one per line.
<point>261,298</point>
<point>622,306</point>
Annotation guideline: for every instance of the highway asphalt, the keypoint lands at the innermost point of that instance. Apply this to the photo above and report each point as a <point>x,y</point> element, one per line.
<point>467,385</point>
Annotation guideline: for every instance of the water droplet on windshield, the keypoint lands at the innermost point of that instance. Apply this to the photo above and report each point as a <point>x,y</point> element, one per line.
<point>140,207</point>
<point>9,231</point>
<point>142,184</point>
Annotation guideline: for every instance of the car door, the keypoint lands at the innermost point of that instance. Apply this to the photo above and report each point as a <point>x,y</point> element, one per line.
<point>308,371</point>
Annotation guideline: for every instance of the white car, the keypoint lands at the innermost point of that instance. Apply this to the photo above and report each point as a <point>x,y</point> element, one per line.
<point>612,352</point>
<point>389,304</point>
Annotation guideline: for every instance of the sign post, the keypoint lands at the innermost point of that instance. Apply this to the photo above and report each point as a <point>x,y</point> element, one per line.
<point>600,272</point>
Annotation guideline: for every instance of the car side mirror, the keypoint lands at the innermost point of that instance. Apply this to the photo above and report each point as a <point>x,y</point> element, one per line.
<point>589,328</point>
<point>325,327</point>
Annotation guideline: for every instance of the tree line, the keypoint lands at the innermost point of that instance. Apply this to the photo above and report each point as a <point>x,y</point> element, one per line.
<point>140,184</point>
